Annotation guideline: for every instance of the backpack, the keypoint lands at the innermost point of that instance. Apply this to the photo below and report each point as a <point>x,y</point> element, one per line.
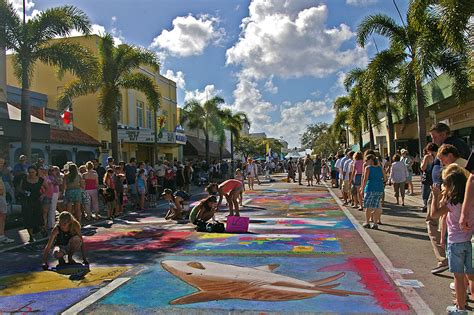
<point>215,227</point>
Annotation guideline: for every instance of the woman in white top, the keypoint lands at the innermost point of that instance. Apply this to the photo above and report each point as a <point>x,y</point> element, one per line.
<point>398,177</point>
<point>251,172</point>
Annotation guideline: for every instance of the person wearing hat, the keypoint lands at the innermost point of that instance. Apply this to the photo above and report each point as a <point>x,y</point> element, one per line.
<point>176,204</point>
<point>408,161</point>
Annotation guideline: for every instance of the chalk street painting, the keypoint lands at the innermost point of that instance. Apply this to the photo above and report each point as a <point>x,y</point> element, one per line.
<point>282,224</point>
<point>269,244</point>
<point>48,291</point>
<point>142,239</point>
<point>251,282</point>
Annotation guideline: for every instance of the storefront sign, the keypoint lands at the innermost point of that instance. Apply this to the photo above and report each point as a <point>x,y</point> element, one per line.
<point>136,135</point>
<point>53,117</point>
<point>172,138</point>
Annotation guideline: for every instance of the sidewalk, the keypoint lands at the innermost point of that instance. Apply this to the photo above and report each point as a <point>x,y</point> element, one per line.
<point>404,239</point>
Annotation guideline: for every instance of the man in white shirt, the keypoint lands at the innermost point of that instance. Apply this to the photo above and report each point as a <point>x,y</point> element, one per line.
<point>338,165</point>
<point>346,172</point>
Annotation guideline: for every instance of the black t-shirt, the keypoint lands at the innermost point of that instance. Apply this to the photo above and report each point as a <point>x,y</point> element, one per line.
<point>100,172</point>
<point>463,147</point>
<point>130,174</point>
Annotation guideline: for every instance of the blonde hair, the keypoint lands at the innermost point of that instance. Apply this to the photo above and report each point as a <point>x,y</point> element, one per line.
<point>68,218</point>
<point>454,182</point>
<point>90,165</point>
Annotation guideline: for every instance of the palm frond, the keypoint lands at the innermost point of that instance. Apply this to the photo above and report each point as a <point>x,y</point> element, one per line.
<point>58,22</point>
<point>76,88</point>
<point>68,56</point>
<point>383,25</point>
<point>133,57</point>
<point>12,26</point>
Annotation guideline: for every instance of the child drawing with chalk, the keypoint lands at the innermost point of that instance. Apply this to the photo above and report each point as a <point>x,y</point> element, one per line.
<point>67,240</point>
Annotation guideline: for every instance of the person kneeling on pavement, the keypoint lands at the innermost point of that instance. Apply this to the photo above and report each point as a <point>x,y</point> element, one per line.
<point>67,239</point>
<point>177,204</point>
<point>203,212</point>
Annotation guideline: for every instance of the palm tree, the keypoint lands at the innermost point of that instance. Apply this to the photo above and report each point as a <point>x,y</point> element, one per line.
<point>420,43</point>
<point>33,41</point>
<point>205,117</point>
<point>348,115</point>
<point>382,72</point>
<point>354,83</point>
<point>117,69</point>
<point>234,122</point>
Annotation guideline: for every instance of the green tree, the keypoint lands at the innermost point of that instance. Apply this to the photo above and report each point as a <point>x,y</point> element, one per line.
<point>248,146</point>
<point>234,122</point>
<point>206,117</point>
<point>382,73</point>
<point>420,43</point>
<point>361,106</point>
<point>35,41</point>
<point>348,115</point>
<point>320,138</point>
<point>117,69</point>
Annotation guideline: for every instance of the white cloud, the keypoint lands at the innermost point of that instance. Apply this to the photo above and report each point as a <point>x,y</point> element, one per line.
<point>209,92</point>
<point>290,39</point>
<point>100,30</point>
<point>295,118</point>
<point>361,2</point>
<point>270,87</point>
<point>249,100</point>
<point>189,35</point>
<point>18,5</point>
<point>177,77</point>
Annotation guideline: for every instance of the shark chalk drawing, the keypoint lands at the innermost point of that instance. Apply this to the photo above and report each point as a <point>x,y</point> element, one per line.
<point>217,281</point>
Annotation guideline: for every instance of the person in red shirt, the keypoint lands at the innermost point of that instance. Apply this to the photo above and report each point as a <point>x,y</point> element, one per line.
<point>231,189</point>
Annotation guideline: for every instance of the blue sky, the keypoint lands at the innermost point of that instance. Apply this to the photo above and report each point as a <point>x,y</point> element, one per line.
<point>281,62</point>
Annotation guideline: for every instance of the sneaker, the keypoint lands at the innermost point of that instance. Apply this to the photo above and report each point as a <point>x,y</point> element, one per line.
<point>6,240</point>
<point>375,227</point>
<point>453,309</point>
<point>439,269</point>
<point>367,226</point>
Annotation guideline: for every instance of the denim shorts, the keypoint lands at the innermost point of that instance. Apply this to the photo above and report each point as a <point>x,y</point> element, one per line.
<point>460,257</point>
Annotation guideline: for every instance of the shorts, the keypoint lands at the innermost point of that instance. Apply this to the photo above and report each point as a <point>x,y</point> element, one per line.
<point>399,189</point>
<point>410,176</point>
<point>73,195</point>
<point>237,190</point>
<point>3,205</point>
<point>46,201</point>
<point>372,199</point>
<point>132,188</point>
<point>460,257</point>
<point>120,199</point>
<point>357,180</point>
<point>354,189</point>
<point>346,186</point>
<point>141,190</point>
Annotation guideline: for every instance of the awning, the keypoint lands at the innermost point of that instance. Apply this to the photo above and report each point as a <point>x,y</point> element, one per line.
<point>10,121</point>
<point>197,147</point>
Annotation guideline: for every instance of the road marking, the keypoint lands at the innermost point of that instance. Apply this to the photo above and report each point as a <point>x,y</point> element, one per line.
<point>82,305</point>
<point>417,303</point>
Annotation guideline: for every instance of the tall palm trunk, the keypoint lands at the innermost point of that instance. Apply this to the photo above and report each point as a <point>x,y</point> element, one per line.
<point>390,129</point>
<point>231,153</point>
<point>114,136</point>
<point>208,158</point>
<point>371,133</point>
<point>361,141</point>
<point>25,114</point>
<point>420,111</point>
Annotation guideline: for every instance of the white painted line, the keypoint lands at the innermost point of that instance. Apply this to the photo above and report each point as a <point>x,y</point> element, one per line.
<point>82,305</point>
<point>417,303</point>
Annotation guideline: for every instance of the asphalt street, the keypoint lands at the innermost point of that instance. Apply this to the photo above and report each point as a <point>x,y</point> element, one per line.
<point>304,253</point>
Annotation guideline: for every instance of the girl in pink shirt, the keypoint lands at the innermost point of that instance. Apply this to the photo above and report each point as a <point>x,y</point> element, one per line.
<point>231,189</point>
<point>459,247</point>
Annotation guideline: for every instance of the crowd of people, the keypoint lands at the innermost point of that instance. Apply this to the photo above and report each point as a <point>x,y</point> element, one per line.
<point>447,178</point>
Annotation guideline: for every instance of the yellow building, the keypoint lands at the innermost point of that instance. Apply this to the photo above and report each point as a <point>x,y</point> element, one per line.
<point>137,120</point>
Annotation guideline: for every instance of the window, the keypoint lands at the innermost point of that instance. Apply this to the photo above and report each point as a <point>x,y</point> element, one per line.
<point>139,114</point>
<point>149,119</point>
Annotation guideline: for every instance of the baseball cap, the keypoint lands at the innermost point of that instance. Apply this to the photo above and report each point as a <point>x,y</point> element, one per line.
<point>22,157</point>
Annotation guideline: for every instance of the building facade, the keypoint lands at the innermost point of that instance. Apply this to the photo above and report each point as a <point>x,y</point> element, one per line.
<point>441,106</point>
<point>139,123</point>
